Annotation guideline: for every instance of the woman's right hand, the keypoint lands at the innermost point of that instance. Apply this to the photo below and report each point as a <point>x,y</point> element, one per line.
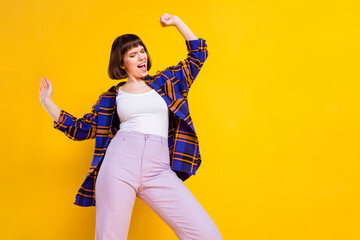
<point>45,90</point>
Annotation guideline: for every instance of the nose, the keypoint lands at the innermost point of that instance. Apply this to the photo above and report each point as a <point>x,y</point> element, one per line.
<point>141,57</point>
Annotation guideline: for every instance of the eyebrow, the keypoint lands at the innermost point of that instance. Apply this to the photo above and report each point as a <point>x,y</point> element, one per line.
<point>135,51</point>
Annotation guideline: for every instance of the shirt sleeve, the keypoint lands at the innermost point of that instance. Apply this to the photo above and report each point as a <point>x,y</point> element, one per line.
<point>78,128</point>
<point>187,70</point>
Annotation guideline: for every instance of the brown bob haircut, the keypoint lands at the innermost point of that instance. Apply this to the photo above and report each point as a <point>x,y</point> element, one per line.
<point>120,46</point>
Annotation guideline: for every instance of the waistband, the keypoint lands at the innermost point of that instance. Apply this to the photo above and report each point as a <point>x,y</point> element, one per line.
<point>145,136</point>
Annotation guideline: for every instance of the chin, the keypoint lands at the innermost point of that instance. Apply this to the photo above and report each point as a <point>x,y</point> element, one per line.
<point>143,75</point>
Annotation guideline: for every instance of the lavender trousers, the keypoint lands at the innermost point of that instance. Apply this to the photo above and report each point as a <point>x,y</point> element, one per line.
<point>138,165</point>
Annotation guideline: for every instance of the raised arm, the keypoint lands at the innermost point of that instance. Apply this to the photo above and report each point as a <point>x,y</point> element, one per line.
<point>78,128</point>
<point>74,128</point>
<point>187,70</point>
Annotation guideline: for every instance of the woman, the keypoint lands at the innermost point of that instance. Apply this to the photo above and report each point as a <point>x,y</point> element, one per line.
<point>145,143</point>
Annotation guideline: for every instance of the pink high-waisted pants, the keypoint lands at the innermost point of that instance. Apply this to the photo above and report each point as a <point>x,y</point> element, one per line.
<point>138,165</point>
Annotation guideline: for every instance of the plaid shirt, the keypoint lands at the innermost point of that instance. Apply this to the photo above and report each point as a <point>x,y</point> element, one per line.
<point>102,123</point>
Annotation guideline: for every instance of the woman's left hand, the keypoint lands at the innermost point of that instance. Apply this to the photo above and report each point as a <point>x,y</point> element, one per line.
<point>169,20</point>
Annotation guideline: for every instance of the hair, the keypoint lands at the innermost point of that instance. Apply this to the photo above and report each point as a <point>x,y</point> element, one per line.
<point>119,47</point>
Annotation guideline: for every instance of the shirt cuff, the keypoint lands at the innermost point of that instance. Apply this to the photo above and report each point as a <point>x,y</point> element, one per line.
<point>195,45</point>
<point>62,119</point>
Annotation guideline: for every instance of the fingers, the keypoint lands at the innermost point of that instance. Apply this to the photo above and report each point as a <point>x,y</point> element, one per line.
<point>41,85</point>
<point>44,83</point>
<point>165,16</point>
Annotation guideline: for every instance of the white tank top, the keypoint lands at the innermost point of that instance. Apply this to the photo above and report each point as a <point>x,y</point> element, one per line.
<point>143,112</point>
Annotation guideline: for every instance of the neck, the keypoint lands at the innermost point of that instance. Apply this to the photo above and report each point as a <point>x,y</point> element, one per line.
<point>135,80</point>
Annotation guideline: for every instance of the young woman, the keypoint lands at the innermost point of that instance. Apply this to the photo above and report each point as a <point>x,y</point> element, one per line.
<point>145,143</point>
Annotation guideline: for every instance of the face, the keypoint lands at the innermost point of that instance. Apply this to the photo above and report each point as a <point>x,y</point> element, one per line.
<point>135,61</point>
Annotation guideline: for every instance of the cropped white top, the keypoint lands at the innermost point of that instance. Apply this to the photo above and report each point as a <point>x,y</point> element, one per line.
<point>143,112</point>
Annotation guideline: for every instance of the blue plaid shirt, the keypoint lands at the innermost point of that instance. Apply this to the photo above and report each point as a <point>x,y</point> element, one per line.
<point>102,123</point>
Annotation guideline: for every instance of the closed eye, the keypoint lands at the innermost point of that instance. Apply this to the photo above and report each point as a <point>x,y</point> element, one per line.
<point>142,51</point>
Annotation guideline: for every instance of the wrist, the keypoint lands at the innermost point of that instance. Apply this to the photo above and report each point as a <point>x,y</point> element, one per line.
<point>47,101</point>
<point>178,22</point>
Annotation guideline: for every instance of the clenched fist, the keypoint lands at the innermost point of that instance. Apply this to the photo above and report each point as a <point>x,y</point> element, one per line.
<point>169,20</point>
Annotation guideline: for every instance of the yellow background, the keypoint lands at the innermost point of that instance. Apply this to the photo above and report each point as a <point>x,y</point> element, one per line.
<point>276,109</point>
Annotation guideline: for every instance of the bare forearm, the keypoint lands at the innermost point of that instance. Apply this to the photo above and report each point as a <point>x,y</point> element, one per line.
<point>52,109</point>
<point>185,30</point>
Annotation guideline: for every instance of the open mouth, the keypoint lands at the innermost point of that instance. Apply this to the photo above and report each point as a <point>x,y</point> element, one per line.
<point>142,67</point>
